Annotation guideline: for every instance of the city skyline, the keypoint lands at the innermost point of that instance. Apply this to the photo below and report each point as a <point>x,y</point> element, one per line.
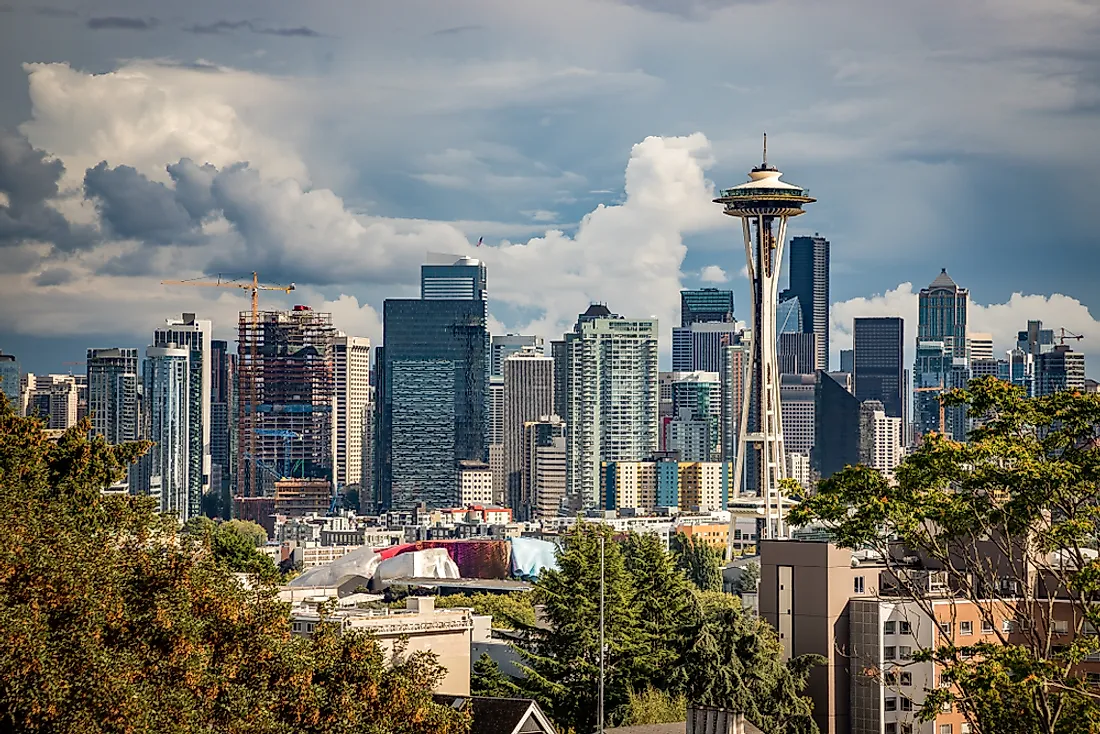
<point>519,140</point>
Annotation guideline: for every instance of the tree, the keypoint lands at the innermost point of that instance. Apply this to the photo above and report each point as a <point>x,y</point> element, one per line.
<point>487,680</point>
<point>750,578</point>
<point>735,661</point>
<point>652,706</point>
<point>563,659</point>
<point>254,533</point>
<point>108,624</point>
<point>1008,524</point>
<point>700,561</point>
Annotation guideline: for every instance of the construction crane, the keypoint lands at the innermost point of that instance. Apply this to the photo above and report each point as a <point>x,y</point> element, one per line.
<point>1063,335</point>
<point>288,437</point>
<point>254,287</point>
<point>943,418</point>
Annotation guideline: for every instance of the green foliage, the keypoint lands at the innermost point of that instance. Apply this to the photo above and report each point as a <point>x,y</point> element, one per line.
<point>1007,516</point>
<point>700,561</point>
<point>233,543</point>
<point>487,680</point>
<point>250,531</point>
<point>750,577</point>
<point>666,642</point>
<point>653,706</point>
<point>508,611</point>
<point>108,624</point>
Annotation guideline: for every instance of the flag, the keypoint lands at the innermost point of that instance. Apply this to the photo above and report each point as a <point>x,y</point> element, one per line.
<point>479,239</point>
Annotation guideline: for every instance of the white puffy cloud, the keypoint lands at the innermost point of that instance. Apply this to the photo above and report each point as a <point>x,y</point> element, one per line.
<point>713,274</point>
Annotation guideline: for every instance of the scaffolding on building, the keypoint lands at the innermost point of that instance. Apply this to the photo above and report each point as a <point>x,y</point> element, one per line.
<point>287,380</point>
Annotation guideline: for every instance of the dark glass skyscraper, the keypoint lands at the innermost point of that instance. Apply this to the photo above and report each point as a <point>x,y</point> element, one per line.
<point>942,318</point>
<point>836,427</point>
<point>705,305</point>
<point>879,374</point>
<point>809,282</point>
<point>462,278</point>
<point>433,382</point>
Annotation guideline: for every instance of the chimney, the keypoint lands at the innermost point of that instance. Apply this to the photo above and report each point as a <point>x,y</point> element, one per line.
<point>710,720</point>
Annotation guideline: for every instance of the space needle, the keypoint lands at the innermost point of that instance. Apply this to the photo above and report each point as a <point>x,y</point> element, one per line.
<point>763,204</point>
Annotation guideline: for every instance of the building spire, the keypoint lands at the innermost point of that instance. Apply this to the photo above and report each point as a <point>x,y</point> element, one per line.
<point>764,164</point>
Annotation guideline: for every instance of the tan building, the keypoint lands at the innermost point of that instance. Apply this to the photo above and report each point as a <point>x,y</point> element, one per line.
<point>713,534</point>
<point>475,483</point>
<point>298,497</point>
<point>445,632</point>
<point>646,485</point>
<point>544,465</point>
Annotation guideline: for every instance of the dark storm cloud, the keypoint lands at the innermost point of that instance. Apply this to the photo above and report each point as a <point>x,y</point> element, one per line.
<point>28,181</point>
<point>133,207</point>
<point>122,23</point>
<point>53,276</point>
<point>220,27</point>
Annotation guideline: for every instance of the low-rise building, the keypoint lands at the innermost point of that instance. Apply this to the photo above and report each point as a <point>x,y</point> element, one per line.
<point>680,485</point>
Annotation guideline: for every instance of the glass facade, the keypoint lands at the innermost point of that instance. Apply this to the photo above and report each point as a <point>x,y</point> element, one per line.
<point>809,283</point>
<point>9,379</point>
<point>705,305</point>
<point>942,314</point>
<point>464,279</point>
<point>167,382</point>
<point>788,316</point>
<point>113,394</point>
<point>878,371</point>
<point>433,399</point>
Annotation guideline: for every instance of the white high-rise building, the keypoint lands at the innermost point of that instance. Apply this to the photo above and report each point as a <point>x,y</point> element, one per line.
<point>351,358</point>
<point>881,447</point>
<point>528,394</point>
<point>796,393</point>
<point>980,346</point>
<point>505,344</point>
<point>53,398</point>
<point>167,380</point>
<point>612,396</point>
<point>495,438</point>
<point>194,334</point>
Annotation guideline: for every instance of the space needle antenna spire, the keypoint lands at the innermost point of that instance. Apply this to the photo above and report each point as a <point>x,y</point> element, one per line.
<point>764,204</point>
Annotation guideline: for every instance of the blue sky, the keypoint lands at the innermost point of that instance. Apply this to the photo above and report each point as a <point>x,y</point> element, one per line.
<point>334,143</point>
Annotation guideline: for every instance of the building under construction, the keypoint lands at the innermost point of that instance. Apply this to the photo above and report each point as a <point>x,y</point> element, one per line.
<point>286,384</point>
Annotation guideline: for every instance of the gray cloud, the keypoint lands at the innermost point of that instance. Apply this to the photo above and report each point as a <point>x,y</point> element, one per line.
<point>134,207</point>
<point>52,12</point>
<point>53,276</point>
<point>28,181</point>
<point>115,22</point>
<point>456,30</point>
<point>220,27</point>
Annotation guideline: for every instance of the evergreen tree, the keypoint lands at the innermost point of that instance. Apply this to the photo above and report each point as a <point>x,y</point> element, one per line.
<point>487,680</point>
<point>109,624</point>
<point>700,561</point>
<point>563,659</point>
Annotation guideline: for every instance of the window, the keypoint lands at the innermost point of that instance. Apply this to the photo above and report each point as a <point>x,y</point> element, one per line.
<point>948,628</point>
<point>987,628</point>
<point>891,703</point>
<point>905,652</point>
<point>945,707</point>
<point>966,628</point>
<point>892,678</point>
<point>945,728</point>
<point>906,704</point>
<point>1008,626</point>
<point>1061,626</point>
<point>891,728</point>
<point>889,652</point>
<point>904,628</point>
<point>1093,679</point>
<point>964,728</point>
<point>906,678</point>
<point>891,628</point>
<point>906,729</point>
<point>859,584</point>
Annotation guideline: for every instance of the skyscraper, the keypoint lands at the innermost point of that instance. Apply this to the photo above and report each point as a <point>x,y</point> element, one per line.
<point>191,333</point>
<point>836,426</point>
<point>1059,370</point>
<point>979,346</point>
<point>503,345</point>
<point>788,316</point>
<point>943,313</point>
<point>9,378</point>
<point>528,395</point>
<point>878,370</point>
<point>705,305</point>
<point>453,278</point>
<point>223,435</point>
<point>695,429</point>
<point>796,391</point>
<point>612,396</point>
<point>114,394</point>
<point>494,435</point>
<point>848,360</point>
<point>809,283</point>
<point>169,412</point>
<point>52,398</point>
<point>880,438</point>
<point>1035,340</point>
<point>544,465</point>
<point>351,358</point>
<point>287,383</point>
<point>797,353</point>
<point>431,397</point>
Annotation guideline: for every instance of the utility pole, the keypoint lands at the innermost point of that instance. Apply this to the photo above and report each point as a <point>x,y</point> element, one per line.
<point>602,648</point>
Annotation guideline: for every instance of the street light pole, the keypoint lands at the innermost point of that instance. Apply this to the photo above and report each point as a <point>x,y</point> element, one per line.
<point>602,648</point>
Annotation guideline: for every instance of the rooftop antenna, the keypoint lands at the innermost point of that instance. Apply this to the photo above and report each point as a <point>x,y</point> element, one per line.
<point>765,162</point>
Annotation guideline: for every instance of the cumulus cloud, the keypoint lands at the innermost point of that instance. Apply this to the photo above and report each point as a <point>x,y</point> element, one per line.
<point>713,274</point>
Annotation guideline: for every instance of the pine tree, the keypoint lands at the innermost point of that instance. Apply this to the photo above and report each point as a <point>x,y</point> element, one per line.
<point>487,680</point>
<point>701,562</point>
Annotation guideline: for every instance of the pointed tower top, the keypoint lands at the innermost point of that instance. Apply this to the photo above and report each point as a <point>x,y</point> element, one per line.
<point>765,163</point>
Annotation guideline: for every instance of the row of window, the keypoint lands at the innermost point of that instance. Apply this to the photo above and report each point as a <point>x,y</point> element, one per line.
<point>965,627</point>
<point>903,728</point>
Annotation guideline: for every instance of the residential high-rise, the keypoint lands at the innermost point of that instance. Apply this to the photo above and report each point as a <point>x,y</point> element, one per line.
<point>114,394</point>
<point>764,204</point>
<point>797,353</point>
<point>169,411</point>
<point>432,399</point>
<point>797,395</point>
<point>880,438</point>
<point>705,305</point>
<point>502,345</point>
<point>223,435</point>
<point>943,314</point>
<point>733,372</point>
<point>475,483</point>
<point>1059,370</point>
<point>495,438</point>
<point>698,347</point>
<point>452,278</point>
<point>528,394</point>
<point>612,396</point>
<point>836,426</point>
<point>351,359</point>
<point>544,465</point>
<point>286,379</point>
<point>1035,340</point>
<point>10,378</point>
<point>878,362</point>
<point>194,334</point>
<point>809,282</point>
<point>979,346</point>
<point>52,398</point>
<point>695,428</point>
